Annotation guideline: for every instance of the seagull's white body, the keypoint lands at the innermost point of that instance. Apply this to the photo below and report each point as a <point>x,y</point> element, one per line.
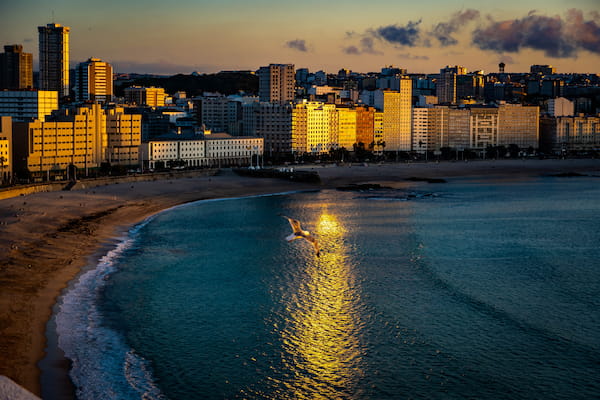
<point>299,233</point>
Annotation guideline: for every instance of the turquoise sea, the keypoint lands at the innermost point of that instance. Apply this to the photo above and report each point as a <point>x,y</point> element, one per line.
<point>463,290</point>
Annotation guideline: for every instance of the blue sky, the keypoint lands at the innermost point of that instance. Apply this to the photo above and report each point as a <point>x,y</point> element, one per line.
<point>422,36</point>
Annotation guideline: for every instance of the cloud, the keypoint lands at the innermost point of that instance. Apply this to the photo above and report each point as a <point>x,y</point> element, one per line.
<point>443,31</point>
<point>555,36</point>
<point>400,35</point>
<point>352,50</point>
<point>408,56</point>
<point>366,46</point>
<point>297,44</point>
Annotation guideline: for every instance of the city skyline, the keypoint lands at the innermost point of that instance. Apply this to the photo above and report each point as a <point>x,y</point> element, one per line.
<point>232,35</point>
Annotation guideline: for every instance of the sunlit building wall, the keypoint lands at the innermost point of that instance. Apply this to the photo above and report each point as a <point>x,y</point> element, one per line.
<point>124,137</point>
<point>24,105</point>
<point>148,96</point>
<point>346,127</point>
<point>314,127</point>
<point>277,83</point>
<point>16,68</point>
<point>378,140</point>
<point>365,125</point>
<point>75,138</point>
<point>397,114</point>
<point>54,58</point>
<point>5,149</point>
<point>94,81</point>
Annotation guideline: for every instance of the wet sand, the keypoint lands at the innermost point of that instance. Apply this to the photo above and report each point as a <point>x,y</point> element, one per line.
<point>47,238</point>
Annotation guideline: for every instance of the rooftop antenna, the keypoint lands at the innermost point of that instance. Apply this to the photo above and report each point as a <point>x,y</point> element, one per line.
<point>53,16</point>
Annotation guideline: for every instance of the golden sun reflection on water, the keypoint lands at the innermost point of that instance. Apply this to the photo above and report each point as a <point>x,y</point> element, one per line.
<point>322,347</point>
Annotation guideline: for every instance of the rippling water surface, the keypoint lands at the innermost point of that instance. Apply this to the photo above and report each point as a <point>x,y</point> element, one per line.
<point>482,290</point>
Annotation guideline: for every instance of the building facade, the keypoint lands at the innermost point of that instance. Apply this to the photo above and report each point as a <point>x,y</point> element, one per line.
<point>54,58</point>
<point>397,115</point>
<point>277,83</point>
<point>57,149</point>
<point>16,68</point>
<point>123,137</point>
<point>24,105</point>
<point>560,135</point>
<point>346,127</point>
<point>5,150</point>
<point>94,81</point>
<point>518,125</point>
<point>314,127</point>
<point>145,96</point>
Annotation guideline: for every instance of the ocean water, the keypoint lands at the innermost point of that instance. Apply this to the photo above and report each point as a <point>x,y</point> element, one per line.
<point>464,290</point>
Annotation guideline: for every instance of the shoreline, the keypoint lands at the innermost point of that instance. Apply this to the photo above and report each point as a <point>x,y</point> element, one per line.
<point>47,239</point>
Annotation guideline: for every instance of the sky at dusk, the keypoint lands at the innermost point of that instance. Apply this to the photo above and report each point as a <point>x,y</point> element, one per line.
<point>169,37</point>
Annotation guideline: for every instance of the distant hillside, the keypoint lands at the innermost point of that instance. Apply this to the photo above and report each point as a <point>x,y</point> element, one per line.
<point>194,85</point>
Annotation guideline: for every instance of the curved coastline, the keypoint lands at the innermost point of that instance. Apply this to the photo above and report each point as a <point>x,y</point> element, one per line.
<point>47,238</point>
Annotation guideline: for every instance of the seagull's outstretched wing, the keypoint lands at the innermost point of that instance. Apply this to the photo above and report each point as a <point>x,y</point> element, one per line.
<point>300,234</point>
<point>315,244</point>
<point>294,223</point>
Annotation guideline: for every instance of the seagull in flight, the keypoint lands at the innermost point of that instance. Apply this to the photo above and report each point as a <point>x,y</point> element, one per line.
<point>299,233</point>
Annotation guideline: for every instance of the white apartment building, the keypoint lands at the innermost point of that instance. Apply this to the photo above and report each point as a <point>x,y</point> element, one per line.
<point>167,153</point>
<point>222,148</point>
<point>215,149</point>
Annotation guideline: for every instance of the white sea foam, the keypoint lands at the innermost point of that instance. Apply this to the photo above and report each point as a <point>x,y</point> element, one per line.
<point>103,366</point>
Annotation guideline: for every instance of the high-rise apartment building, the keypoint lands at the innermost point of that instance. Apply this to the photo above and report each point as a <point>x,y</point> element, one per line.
<point>573,133</point>
<point>54,58</point>
<point>314,127</point>
<point>346,132</point>
<point>365,123</point>
<point>16,68</point>
<point>23,105</point>
<point>276,83</point>
<point>94,81</point>
<point>397,115</point>
<point>446,85</point>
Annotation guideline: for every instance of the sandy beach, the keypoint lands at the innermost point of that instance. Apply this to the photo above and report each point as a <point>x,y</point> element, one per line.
<point>47,238</point>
